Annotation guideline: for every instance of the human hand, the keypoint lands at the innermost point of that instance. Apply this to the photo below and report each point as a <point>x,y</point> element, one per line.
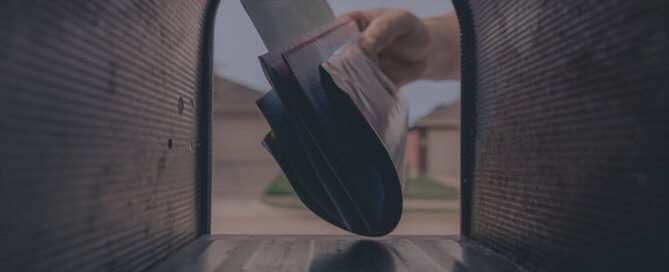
<point>408,48</point>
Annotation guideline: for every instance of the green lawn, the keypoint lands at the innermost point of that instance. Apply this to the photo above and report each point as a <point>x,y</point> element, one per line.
<point>414,188</point>
<point>280,186</point>
<point>426,188</point>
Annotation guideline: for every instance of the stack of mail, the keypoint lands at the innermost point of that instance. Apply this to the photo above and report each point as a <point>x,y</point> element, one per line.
<point>338,123</point>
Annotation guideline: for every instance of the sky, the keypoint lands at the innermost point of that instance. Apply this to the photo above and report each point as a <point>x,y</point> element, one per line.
<point>237,46</point>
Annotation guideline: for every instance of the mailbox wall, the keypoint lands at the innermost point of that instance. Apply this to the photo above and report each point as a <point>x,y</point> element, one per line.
<point>104,132</point>
<point>566,132</point>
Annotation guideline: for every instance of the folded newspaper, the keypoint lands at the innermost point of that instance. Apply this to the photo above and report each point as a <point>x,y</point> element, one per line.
<point>338,123</point>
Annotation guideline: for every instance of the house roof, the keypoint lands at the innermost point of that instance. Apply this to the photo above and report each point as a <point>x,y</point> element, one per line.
<point>444,116</point>
<point>233,96</point>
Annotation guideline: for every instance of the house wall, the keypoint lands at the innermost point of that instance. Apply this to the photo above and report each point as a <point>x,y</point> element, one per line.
<point>242,168</point>
<point>237,137</point>
<point>412,160</point>
<point>443,152</point>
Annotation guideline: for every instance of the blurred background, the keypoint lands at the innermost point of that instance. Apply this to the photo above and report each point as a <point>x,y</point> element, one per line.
<point>251,195</point>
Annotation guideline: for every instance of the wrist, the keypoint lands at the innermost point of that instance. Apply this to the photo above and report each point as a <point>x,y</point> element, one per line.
<point>443,58</point>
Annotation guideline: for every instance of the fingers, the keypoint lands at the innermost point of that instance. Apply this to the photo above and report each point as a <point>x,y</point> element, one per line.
<point>364,17</point>
<point>396,39</point>
<point>360,17</point>
<point>385,28</point>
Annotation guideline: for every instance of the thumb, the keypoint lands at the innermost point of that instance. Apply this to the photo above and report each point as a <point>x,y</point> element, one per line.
<point>384,29</point>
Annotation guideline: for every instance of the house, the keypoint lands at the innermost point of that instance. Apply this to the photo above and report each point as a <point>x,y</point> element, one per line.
<point>238,124</point>
<point>433,143</point>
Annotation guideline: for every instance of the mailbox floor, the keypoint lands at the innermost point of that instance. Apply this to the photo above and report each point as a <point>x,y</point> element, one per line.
<point>335,253</point>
